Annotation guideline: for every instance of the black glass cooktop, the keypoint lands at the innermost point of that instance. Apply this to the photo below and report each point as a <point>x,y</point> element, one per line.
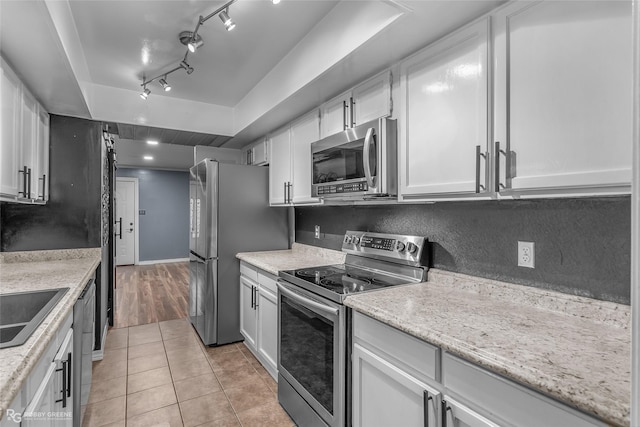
<point>341,279</point>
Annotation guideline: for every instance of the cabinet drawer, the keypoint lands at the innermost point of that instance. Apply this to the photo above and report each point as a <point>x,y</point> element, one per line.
<point>248,271</point>
<point>267,281</point>
<point>417,357</point>
<point>503,399</point>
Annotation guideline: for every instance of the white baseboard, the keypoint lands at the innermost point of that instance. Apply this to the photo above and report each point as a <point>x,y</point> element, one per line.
<point>99,354</point>
<point>162,261</point>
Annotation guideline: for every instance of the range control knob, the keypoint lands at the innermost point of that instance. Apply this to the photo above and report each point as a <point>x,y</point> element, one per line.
<point>399,246</point>
<point>347,239</point>
<point>355,240</point>
<point>412,248</point>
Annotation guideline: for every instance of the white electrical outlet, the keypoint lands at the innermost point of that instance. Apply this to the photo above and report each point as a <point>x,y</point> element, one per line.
<point>526,254</point>
<point>317,232</point>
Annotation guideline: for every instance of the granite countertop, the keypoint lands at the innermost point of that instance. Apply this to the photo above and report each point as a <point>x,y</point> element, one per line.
<point>573,348</point>
<point>36,270</point>
<point>299,256</point>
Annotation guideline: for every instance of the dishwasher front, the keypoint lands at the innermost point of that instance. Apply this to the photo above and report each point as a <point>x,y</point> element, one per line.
<point>83,342</point>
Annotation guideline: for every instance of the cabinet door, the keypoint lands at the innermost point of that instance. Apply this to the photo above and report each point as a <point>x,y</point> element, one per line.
<point>384,395</point>
<point>280,168</point>
<point>29,140</point>
<point>444,98</point>
<point>458,415</point>
<point>40,177</point>
<point>43,401</point>
<point>248,311</point>
<point>303,132</point>
<point>268,329</point>
<point>260,153</point>
<point>11,98</point>
<point>563,79</point>
<point>335,115</point>
<point>372,99</point>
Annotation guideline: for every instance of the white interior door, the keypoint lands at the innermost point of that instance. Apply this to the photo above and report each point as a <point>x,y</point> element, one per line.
<point>126,227</point>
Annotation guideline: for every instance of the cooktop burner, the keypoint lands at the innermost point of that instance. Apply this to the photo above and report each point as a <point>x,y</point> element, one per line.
<point>341,279</point>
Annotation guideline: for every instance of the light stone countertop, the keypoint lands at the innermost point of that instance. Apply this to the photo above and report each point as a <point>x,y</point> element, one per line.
<point>299,256</point>
<point>573,348</point>
<point>31,271</point>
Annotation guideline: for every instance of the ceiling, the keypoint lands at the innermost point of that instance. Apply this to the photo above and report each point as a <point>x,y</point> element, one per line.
<point>278,63</point>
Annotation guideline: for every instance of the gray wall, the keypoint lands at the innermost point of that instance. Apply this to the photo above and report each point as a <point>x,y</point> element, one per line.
<point>71,218</point>
<point>582,246</point>
<point>164,226</point>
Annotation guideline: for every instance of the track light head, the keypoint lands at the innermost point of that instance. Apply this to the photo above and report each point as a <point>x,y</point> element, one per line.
<point>275,1</point>
<point>191,40</point>
<point>145,94</point>
<point>227,21</point>
<point>164,84</point>
<point>188,68</point>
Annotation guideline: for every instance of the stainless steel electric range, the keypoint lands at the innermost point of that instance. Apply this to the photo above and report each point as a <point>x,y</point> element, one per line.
<point>314,331</point>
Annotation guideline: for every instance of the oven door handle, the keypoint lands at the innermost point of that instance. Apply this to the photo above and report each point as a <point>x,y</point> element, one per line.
<point>306,301</point>
<point>368,142</point>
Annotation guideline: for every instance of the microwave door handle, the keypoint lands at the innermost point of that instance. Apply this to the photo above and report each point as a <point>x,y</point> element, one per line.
<point>368,142</point>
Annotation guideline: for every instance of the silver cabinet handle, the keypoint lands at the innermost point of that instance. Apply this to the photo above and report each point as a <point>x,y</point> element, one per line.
<point>425,402</point>
<point>44,186</point>
<point>29,183</point>
<point>119,234</point>
<point>252,296</point>
<point>344,115</point>
<point>24,173</point>
<point>255,298</point>
<point>306,301</point>
<point>507,167</point>
<point>285,192</point>
<point>352,112</point>
<point>479,154</point>
<point>368,142</point>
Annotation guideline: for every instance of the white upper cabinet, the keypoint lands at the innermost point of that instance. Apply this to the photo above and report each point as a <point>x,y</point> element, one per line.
<point>280,168</point>
<point>563,97</point>
<point>258,153</point>
<point>368,101</point>
<point>11,98</point>
<point>24,143</point>
<point>336,115</point>
<point>304,131</point>
<point>443,126</point>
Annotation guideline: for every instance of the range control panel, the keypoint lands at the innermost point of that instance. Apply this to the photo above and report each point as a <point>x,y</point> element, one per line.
<point>393,246</point>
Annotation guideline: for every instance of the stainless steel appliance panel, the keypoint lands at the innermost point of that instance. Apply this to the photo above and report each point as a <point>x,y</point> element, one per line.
<point>230,213</point>
<point>357,163</point>
<point>83,341</point>
<point>312,353</point>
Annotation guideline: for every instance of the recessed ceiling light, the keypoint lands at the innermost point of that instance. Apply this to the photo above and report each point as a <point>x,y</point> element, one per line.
<point>152,142</point>
<point>148,157</point>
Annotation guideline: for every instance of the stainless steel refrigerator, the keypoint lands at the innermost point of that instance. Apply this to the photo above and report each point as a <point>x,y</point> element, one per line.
<point>230,213</point>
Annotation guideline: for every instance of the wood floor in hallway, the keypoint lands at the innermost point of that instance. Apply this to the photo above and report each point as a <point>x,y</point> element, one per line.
<point>151,293</point>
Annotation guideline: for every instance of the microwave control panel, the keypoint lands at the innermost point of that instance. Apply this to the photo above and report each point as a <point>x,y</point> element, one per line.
<point>341,188</point>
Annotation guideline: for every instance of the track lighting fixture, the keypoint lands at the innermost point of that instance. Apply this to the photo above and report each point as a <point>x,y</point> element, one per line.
<point>193,41</point>
<point>164,84</point>
<point>227,21</point>
<point>187,67</point>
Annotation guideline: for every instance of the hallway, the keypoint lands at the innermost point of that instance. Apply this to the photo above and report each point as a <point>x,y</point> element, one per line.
<point>160,374</point>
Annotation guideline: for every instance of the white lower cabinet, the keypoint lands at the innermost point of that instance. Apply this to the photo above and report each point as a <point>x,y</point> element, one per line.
<point>259,315</point>
<point>400,380</point>
<point>46,398</point>
<point>394,377</point>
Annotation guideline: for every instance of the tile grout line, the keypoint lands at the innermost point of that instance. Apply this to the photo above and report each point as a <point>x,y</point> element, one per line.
<point>173,384</point>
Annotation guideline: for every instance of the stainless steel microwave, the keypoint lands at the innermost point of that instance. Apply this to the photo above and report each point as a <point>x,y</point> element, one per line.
<point>357,163</point>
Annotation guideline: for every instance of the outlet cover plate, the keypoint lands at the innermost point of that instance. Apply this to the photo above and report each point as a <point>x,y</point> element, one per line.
<point>317,232</point>
<point>526,254</point>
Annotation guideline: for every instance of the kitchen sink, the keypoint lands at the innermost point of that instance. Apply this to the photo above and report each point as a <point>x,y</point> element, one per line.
<point>22,312</point>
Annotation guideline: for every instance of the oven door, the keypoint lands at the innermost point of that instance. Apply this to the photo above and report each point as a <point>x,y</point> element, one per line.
<point>312,354</point>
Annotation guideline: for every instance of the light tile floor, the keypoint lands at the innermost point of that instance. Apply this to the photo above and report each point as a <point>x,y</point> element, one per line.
<point>160,374</point>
